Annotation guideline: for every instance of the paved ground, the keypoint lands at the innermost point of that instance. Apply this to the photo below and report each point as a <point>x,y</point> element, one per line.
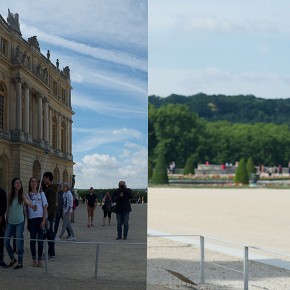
<point>122,264</point>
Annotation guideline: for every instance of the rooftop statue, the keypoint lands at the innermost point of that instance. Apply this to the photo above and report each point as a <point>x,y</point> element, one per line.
<point>33,41</point>
<point>13,21</point>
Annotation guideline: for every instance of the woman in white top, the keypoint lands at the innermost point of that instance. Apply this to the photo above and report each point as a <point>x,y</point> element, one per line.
<point>15,221</point>
<point>67,210</point>
<point>36,221</point>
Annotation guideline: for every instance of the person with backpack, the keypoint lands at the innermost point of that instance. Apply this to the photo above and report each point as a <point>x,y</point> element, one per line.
<point>107,208</point>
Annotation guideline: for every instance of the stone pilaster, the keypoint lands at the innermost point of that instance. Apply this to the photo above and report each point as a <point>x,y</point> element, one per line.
<point>40,119</point>
<point>18,104</point>
<point>26,108</point>
<point>46,120</point>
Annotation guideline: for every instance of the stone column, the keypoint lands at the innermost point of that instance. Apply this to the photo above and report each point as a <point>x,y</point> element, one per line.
<point>70,137</point>
<point>39,120</point>
<point>46,120</point>
<point>18,104</point>
<point>26,108</point>
<point>59,132</point>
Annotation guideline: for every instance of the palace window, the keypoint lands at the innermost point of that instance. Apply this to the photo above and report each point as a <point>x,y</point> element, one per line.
<point>63,137</point>
<point>63,95</point>
<point>4,46</point>
<point>2,106</point>
<point>54,133</point>
<point>54,88</point>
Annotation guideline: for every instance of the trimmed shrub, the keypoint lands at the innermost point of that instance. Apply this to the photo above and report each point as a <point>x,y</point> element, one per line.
<point>159,175</point>
<point>250,166</point>
<point>242,175</point>
<point>189,165</point>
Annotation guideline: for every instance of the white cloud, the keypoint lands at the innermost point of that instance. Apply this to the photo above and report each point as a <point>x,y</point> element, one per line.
<point>114,21</point>
<point>222,16</point>
<point>105,107</point>
<point>104,171</point>
<point>96,52</point>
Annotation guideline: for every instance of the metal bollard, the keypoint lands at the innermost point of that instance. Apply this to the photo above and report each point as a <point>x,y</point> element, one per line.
<point>202,260</point>
<point>46,256</point>
<point>97,261</point>
<point>246,260</point>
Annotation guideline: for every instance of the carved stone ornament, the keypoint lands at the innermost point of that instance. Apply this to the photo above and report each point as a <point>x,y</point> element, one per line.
<point>66,72</point>
<point>33,41</point>
<point>2,76</point>
<point>13,21</point>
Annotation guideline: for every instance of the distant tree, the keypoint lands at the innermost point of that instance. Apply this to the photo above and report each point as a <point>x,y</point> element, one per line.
<point>242,175</point>
<point>159,175</point>
<point>150,169</point>
<point>190,164</point>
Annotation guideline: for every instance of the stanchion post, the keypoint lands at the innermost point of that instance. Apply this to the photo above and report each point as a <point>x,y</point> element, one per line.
<point>97,260</point>
<point>246,270</point>
<point>202,260</point>
<point>46,256</point>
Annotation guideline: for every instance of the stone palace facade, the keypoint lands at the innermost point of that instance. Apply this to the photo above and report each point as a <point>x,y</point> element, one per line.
<point>35,110</point>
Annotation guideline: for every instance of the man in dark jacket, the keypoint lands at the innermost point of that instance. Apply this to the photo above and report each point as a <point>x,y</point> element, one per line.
<point>3,208</point>
<point>50,191</point>
<point>121,197</point>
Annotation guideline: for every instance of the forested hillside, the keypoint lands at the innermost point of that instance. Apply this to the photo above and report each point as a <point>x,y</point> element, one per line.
<point>219,129</point>
<point>236,109</point>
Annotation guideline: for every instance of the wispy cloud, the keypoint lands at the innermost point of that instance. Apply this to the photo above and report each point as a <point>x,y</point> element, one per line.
<point>106,107</point>
<point>94,137</point>
<point>109,55</point>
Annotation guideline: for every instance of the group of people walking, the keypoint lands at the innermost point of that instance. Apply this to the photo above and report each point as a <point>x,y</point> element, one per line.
<point>44,205</point>
<point>120,201</point>
<point>40,205</point>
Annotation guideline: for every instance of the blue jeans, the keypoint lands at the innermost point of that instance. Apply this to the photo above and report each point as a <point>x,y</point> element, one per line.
<point>36,232</point>
<point>9,231</point>
<point>122,219</point>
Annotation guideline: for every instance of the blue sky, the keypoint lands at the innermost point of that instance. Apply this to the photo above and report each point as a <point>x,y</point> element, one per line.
<point>105,45</point>
<point>227,47</point>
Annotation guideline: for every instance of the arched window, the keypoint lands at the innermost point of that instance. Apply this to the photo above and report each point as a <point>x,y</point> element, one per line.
<point>65,176</point>
<point>63,137</point>
<point>36,170</point>
<point>54,132</point>
<point>56,175</point>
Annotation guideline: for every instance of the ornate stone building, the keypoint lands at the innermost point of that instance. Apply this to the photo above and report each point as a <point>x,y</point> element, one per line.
<point>35,110</point>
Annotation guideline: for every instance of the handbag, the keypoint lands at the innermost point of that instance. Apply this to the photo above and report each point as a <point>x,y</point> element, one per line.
<point>113,208</point>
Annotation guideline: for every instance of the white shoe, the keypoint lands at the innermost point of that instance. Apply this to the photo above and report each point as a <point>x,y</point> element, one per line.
<point>71,239</point>
<point>57,239</point>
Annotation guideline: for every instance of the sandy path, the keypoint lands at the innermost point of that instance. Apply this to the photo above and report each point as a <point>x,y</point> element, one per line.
<point>259,217</point>
<point>255,217</point>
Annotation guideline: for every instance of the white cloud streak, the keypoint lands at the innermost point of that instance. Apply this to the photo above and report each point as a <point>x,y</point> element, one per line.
<point>84,49</point>
<point>106,108</point>
<point>94,137</point>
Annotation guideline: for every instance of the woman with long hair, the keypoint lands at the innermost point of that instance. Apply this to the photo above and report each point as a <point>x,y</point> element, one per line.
<point>36,220</point>
<point>15,221</point>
